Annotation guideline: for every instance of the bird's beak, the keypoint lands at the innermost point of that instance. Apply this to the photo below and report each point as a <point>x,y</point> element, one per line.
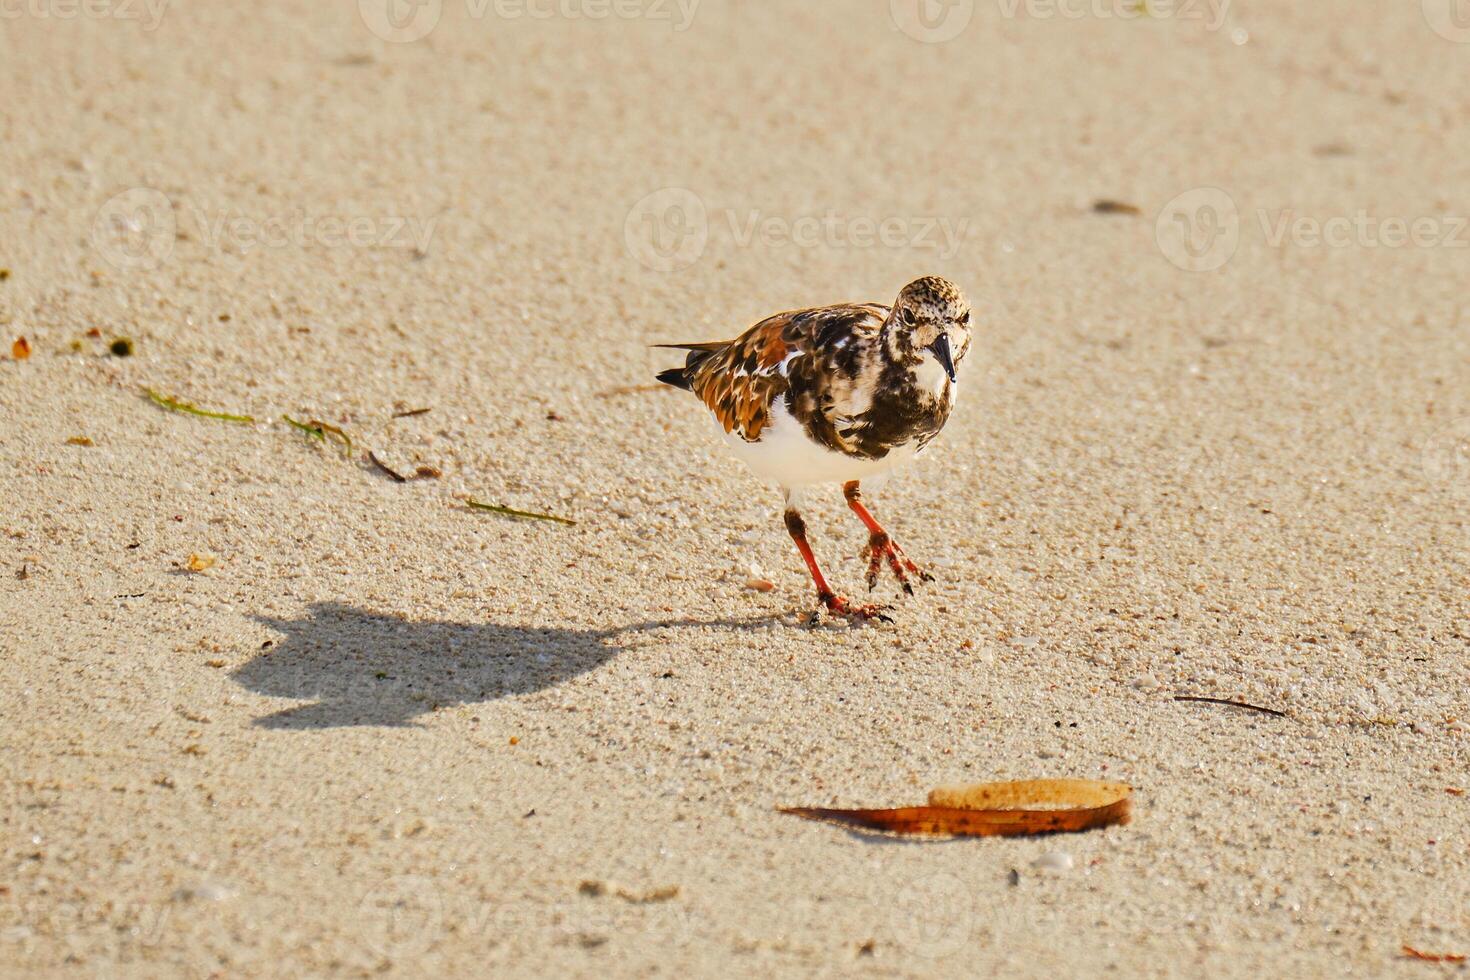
<point>940,347</point>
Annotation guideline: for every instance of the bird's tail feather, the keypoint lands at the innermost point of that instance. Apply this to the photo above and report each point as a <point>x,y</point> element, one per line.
<point>698,353</point>
<point>675,377</point>
<point>708,345</point>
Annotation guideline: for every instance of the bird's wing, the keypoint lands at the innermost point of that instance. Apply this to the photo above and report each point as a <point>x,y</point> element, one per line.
<point>740,380</point>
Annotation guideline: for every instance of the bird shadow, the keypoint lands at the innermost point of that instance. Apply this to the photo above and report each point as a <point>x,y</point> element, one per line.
<point>356,667</point>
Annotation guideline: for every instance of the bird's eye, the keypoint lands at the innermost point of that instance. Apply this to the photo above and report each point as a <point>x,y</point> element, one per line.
<point>907,315</point>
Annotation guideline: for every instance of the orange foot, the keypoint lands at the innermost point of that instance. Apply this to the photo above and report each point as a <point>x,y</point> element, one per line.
<point>858,612</point>
<point>881,547</point>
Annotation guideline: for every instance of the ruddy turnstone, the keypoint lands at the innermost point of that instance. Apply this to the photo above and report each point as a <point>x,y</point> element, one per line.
<point>837,394</point>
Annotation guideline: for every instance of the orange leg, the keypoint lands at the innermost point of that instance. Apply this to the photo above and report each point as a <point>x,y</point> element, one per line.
<point>835,603</point>
<point>881,547</point>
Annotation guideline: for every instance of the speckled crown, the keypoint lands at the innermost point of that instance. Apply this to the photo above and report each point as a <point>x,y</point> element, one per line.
<point>933,291</point>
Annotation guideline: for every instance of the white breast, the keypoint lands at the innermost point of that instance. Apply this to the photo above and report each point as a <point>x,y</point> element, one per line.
<point>931,377</point>
<point>786,456</point>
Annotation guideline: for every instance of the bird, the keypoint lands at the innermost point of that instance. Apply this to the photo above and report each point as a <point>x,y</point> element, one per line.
<point>837,395</point>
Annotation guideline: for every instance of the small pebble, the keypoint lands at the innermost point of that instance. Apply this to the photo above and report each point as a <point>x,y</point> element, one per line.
<point>1055,862</point>
<point>760,584</point>
<point>204,891</point>
<point>1146,682</point>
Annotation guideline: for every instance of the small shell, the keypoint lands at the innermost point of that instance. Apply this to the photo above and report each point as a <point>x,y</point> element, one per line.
<point>1055,862</point>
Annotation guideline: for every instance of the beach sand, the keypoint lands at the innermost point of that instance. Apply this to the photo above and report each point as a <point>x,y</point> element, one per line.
<point>1199,450</point>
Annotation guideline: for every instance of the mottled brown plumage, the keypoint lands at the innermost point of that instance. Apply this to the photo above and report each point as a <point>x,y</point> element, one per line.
<point>835,394</point>
<point>790,354</point>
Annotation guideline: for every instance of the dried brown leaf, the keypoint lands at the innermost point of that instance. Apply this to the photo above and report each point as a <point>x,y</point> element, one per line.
<point>1005,809</point>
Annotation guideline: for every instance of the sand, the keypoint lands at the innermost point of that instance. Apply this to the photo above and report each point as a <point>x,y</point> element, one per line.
<point>384,732</point>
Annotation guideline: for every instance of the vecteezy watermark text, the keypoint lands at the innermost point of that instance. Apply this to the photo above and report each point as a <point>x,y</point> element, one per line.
<point>236,231</point>
<point>137,229</point>
<point>404,916</point>
<point>149,13</point>
<point>1212,12</point>
<point>1201,229</point>
<point>670,229</point>
<point>937,21</point>
<point>402,21</point>
<point>1363,230</point>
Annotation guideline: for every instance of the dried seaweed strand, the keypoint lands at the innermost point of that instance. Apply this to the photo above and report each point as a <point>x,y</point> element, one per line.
<point>310,430</point>
<point>394,474</point>
<point>318,429</point>
<point>1233,704</point>
<point>1107,206</point>
<point>512,512</point>
<point>332,430</point>
<point>1416,954</point>
<point>411,413</point>
<point>174,405</point>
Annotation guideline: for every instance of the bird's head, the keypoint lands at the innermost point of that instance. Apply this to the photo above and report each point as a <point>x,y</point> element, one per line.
<point>930,318</point>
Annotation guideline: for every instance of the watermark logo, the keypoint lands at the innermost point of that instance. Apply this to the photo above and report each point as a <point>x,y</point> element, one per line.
<point>401,917</point>
<point>148,13</point>
<point>135,229</point>
<point>401,21</point>
<point>1199,230</point>
<point>932,916</point>
<point>671,229</point>
<point>667,230</point>
<point>932,21</point>
<point>1446,457</point>
<point>1450,19</point>
<point>1440,921</point>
